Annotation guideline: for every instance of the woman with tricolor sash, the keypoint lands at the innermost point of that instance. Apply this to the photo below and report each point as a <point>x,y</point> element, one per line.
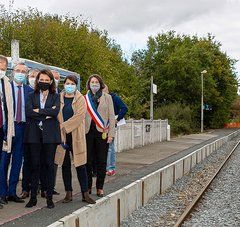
<point>100,130</point>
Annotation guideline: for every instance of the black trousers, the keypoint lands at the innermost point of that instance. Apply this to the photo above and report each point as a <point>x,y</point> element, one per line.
<point>97,150</point>
<point>42,155</point>
<point>26,180</point>
<point>43,174</point>
<point>67,172</point>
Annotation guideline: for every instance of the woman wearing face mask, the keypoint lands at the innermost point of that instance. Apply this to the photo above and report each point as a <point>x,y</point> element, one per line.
<point>100,123</point>
<point>42,133</point>
<point>72,123</point>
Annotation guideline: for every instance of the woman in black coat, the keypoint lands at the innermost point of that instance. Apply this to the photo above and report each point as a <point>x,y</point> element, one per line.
<point>42,133</point>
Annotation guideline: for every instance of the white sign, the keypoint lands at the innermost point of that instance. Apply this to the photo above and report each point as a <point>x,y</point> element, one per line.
<point>15,51</point>
<point>154,88</point>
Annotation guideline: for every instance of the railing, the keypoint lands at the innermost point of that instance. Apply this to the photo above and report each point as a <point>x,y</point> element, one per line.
<point>137,133</point>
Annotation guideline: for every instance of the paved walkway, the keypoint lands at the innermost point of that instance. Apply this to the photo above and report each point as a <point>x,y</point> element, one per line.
<point>131,165</point>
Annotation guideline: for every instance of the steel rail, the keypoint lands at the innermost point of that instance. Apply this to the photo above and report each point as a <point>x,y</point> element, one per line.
<point>193,204</point>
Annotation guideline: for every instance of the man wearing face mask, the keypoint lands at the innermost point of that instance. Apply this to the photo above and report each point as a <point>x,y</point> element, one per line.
<point>6,112</point>
<point>20,93</point>
<point>26,164</point>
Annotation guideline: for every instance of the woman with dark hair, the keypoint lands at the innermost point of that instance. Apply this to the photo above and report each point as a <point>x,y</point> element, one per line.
<point>42,133</point>
<point>100,124</point>
<point>72,123</point>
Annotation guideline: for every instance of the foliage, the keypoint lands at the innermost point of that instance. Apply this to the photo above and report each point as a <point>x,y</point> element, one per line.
<point>73,44</point>
<point>176,62</point>
<point>180,117</point>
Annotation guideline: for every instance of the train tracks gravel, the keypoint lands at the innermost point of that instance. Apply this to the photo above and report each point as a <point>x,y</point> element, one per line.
<point>220,204</point>
<point>165,209</point>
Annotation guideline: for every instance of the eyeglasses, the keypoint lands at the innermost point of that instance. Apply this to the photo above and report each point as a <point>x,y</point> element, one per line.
<point>20,71</point>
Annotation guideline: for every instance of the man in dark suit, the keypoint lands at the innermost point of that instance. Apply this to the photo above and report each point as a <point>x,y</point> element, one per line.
<point>20,93</point>
<point>32,74</point>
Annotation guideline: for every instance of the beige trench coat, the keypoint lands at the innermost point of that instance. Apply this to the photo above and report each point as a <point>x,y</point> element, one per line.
<point>75,125</point>
<point>7,145</point>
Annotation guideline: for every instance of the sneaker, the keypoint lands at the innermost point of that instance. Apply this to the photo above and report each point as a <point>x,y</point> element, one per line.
<point>109,172</point>
<point>113,173</point>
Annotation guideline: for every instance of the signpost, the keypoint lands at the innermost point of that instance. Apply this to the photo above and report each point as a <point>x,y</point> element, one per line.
<point>153,91</point>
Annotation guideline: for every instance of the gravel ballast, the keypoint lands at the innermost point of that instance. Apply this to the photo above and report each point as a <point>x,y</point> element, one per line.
<point>165,209</point>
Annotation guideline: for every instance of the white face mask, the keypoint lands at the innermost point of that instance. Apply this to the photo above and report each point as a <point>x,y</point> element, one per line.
<point>32,81</point>
<point>2,74</point>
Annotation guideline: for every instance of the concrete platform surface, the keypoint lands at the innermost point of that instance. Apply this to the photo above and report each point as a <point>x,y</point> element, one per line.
<point>131,165</point>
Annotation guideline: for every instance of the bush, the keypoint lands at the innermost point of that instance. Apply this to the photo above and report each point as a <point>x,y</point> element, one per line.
<point>180,117</point>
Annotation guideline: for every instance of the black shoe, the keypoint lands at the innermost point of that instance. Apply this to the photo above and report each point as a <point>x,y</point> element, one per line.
<point>1,206</point>
<point>55,192</point>
<point>50,204</point>
<point>15,199</point>
<point>32,202</point>
<point>3,200</point>
<point>43,194</point>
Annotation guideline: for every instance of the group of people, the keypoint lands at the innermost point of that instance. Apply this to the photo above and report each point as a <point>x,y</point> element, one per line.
<point>42,127</point>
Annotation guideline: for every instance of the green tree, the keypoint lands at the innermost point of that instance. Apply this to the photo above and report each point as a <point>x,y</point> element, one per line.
<point>71,43</point>
<point>176,61</point>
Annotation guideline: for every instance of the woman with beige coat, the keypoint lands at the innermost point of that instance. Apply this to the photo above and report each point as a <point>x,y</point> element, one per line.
<point>100,130</point>
<point>72,123</point>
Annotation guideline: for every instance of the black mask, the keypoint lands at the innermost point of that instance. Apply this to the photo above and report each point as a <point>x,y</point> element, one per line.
<point>43,86</point>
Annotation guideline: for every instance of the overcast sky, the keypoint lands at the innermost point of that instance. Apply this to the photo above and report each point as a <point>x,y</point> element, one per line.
<point>131,22</point>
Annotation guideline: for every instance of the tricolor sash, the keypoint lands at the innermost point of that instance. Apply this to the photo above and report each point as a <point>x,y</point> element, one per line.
<point>94,113</point>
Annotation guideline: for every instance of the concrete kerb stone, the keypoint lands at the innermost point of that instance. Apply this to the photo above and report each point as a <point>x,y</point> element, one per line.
<point>194,159</point>
<point>56,224</point>
<point>117,200</point>
<point>150,186</point>
<point>203,153</point>
<point>133,197</point>
<point>178,169</point>
<point>167,178</point>
<point>98,214</point>
<point>82,215</point>
<point>187,165</point>
<point>199,156</point>
<point>68,220</point>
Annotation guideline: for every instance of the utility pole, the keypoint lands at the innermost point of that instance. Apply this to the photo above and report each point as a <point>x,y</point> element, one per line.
<point>15,51</point>
<point>151,101</point>
<point>202,107</point>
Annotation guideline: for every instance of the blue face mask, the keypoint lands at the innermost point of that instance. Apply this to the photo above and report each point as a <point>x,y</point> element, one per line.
<point>19,77</point>
<point>70,88</point>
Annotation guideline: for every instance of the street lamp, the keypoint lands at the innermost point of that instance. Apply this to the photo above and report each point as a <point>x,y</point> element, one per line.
<point>202,107</point>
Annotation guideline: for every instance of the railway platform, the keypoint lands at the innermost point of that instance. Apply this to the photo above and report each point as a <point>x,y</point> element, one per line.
<point>131,166</point>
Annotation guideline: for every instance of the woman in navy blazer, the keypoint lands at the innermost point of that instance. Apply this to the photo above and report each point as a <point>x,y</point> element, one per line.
<point>42,132</point>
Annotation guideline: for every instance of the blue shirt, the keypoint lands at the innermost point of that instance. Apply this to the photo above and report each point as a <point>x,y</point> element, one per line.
<point>15,87</point>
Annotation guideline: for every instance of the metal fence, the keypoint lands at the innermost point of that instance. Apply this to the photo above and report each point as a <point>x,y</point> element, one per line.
<point>137,133</point>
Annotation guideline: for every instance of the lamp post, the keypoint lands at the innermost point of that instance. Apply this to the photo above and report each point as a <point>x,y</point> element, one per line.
<point>202,107</point>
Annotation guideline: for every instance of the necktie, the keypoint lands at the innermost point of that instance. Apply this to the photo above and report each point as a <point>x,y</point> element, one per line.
<point>1,114</point>
<point>19,105</point>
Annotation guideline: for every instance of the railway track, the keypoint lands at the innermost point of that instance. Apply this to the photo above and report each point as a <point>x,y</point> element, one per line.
<point>191,207</point>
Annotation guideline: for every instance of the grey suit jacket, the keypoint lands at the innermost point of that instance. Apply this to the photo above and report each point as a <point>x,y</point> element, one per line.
<point>106,111</point>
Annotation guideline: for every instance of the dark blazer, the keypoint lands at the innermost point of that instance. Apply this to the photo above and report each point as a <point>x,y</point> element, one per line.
<point>27,89</point>
<point>51,128</point>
